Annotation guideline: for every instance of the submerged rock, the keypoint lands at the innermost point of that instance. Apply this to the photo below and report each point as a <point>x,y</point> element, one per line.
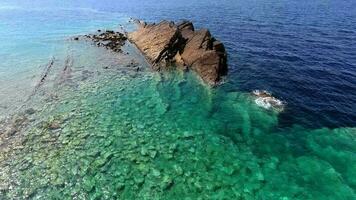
<point>13,125</point>
<point>167,43</point>
<point>30,111</point>
<point>54,125</point>
<point>156,173</point>
<point>110,39</point>
<point>167,182</point>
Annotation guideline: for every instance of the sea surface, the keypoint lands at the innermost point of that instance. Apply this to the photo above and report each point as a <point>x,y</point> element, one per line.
<point>76,122</point>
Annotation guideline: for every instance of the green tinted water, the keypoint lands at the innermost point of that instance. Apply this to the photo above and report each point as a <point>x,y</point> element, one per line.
<point>104,131</point>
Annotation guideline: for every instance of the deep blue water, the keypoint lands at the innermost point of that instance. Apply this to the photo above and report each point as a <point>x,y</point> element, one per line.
<point>304,52</point>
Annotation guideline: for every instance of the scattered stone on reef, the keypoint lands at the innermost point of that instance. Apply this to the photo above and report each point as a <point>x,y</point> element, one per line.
<point>76,38</point>
<point>198,186</point>
<point>141,126</point>
<point>108,143</point>
<point>53,96</point>
<point>191,150</point>
<point>15,125</point>
<point>266,100</point>
<point>209,186</point>
<point>30,111</point>
<point>86,74</point>
<point>178,170</point>
<point>144,151</point>
<point>19,121</point>
<point>228,170</point>
<point>144,169</point>
<point>139,179</point>
<point>133,64</point>
<point>187,135</point>
<point>168,156</point>
<point>260,176</point>
<point>18,147</point>
<point>10,131</point>
<point>4,187</point>
<point>55,124</point>
<point>167,182</point>
<point>120,186</point>
<point>166,44</point>
<point>88,184</point>
<point>100,162</point>
<point>156,173</point>
<point>172,149</point>
<point>153,154</point>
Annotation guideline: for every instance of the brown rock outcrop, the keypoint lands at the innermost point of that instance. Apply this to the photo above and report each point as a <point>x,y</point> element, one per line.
<point>168,44</point>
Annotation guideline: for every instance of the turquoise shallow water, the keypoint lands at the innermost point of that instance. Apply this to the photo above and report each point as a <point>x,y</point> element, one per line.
<point>102,130</point>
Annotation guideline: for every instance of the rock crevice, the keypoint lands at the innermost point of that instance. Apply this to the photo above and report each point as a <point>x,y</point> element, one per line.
<point>168,44</point>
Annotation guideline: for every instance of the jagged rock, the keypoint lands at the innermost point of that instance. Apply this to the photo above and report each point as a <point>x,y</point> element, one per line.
<point>109,39</point>
<point>185,26</point>
<point>156,41</point>
<point>166,43</point>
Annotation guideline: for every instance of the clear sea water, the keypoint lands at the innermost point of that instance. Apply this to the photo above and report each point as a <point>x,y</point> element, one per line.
<point>101,130</point>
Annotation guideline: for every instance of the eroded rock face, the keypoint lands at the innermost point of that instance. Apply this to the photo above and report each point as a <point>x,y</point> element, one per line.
<point>157,41</point>
<point>167,43</point>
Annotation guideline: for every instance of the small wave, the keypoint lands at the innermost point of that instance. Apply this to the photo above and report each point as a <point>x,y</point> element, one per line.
<point>10,7</point>
<point>80,9</point>
<point>92,10</point>
<point>345,31</point>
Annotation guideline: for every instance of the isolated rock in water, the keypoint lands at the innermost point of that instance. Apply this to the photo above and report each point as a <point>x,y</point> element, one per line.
<point>266,100</point>
<point>157,41</point>
<point>167,43</point>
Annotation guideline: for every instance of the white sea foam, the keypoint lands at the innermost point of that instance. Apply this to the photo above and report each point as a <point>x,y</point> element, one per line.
<point>265,100</point>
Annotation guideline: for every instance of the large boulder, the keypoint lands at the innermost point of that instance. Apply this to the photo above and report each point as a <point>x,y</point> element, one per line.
<point>156,41</point>
<point>169,44</point>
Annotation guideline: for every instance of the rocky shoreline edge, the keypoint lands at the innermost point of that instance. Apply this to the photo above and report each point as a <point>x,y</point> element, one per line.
<point>169,45</point>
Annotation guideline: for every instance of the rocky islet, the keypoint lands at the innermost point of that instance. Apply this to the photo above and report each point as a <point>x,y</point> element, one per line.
<point>169,44</point>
